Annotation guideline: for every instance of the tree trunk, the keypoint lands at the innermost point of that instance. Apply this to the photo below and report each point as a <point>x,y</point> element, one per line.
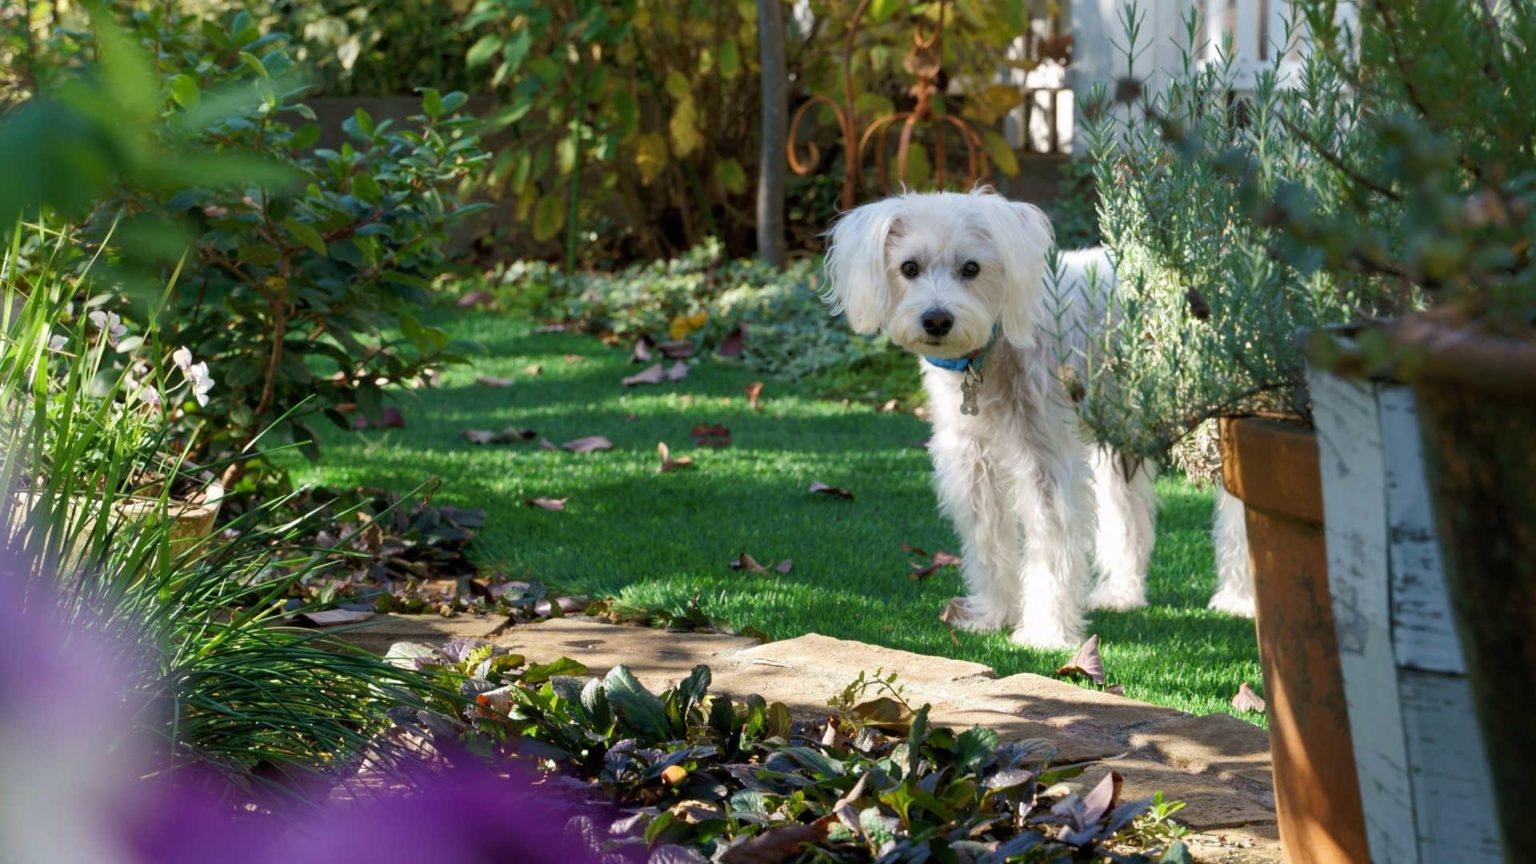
<point>772,159</point>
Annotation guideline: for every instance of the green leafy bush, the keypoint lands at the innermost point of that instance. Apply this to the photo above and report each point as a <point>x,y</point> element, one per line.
<point>1203,320</point>
<point>301,294</point>
<point>741,780</point>
<point>90,492</point>
<point>703,297</point>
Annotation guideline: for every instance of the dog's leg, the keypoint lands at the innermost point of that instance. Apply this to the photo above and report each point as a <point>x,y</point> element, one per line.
<point>974,499</point>
<point>1234,569</point>
<point>1056,513</point>
<point>1127,529</point>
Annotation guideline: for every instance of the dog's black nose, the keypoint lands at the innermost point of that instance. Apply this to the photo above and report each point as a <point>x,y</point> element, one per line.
<point>938,322</point>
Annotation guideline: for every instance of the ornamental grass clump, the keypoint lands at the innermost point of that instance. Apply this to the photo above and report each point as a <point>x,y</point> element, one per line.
<point>1202,317</point>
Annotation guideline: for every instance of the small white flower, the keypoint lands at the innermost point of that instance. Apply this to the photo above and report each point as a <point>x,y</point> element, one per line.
<point>57,342</point>
<point>182,357</point>
<point>202,382</point>
<point>109,324</point>
<point>149,396</point>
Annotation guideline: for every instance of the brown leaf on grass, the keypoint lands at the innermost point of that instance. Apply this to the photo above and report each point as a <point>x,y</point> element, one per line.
<point>678,349</point>
<point>938,561</point>
<point>1115,689</point>
<point>555,504</point>
<point>1247,700</point>
<point>1086,662</point>
<point>953,613</point>
<point>534,369</point>
<point>335,617</point>
<point>486,436</point>
<point>653,374</point>
<point>890,406</point>
<point>820,488</point>
<point>733,343</point>
<point>670,464</point>
<point>477,300</point>
<point>574,358</point>
<point>785,566</point>
<point>746,563</point>
<point>677,371</point>
<point>389,418</point>
<point>493,381</point>
<point>546,444</point>
<point>711,435</point>
<point>754,392</point>
<point>589,444</point>
<point>556,327</point>
<point>642,350</point>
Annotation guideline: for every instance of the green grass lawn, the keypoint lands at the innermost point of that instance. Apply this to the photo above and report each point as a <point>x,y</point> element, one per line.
<point>662,539</point>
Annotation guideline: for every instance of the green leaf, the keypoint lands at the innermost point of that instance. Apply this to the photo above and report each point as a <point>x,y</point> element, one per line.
<point>366,189</point>
<point>731,176</point>
<point>637,707</point>
<point>999,152</point>
<point>305,234</point>
<point>483,50</point>
<point>540,672</point>
<point>432,102</point>
<point>364,121</point>
<point>677,85</point>
<point>516,51</point>
<point>882,10</point>
<point>974,746</point>
<point>1178,853</point>
<point>730,59</point>
<point>454,101</point>
<point>185,91</point>
<point>548,217</point>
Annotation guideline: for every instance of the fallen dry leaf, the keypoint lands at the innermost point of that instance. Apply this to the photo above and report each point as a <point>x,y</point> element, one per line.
<point>511,433</point>
<point>711,435</point>
<point>754,392</point>
<point>779,844</point>
<point>938,561</point>
<point>589,444</point>
<point>821,488</point>
<point>1247,700</point>
<point>733,343</point>
<point>670,464</point>
<point>785,566</point>
<point>921,412</point>
<point>653,374</point>
<point>1086,662</point>
<point>493,381</point>
<point>546,503</point>
<point>573,358</point>
<point>477,300</point>
<point>677,371</point>
<point>552,328</point>
<point>546,444</point>
<point>1116,689</point>
<point>890,406</point>
<point>389,418</point>
<point>676,350</point>
<point>953,613</point>
<point>747,564</point>
<point>1101,799</point>
<point>642,350</point>
<point>534,369</point>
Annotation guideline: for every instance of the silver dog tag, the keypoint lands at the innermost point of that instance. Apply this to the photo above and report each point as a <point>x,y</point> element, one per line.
<point>968,387</point>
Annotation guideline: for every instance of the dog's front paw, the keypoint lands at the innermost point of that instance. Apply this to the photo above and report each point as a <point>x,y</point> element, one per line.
<point>1232,602</point>
<point>1116,598</point>
<point>1048,636</point>
<point>974,615</point>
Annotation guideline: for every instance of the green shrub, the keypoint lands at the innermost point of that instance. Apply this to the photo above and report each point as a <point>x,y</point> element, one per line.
<point>226,685</point>
<point>300,293</point>
<point>1203,320</point>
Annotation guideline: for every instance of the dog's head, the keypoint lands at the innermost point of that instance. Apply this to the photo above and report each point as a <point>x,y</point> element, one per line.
<point>937,270</point>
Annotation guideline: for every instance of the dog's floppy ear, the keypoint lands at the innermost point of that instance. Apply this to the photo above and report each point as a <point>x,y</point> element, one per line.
<point>1023,236</point>
<point>856,269</point>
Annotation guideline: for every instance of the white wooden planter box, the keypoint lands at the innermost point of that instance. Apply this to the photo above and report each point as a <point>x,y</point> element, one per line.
<point>1424,781</point>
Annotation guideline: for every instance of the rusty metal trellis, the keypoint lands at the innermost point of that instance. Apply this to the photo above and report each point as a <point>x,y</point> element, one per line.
<point>925,61</point>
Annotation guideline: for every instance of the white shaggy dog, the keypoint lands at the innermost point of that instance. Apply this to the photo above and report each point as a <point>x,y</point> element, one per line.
<point>957,278</point>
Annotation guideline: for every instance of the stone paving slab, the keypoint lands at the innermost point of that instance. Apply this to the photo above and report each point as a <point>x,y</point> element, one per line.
<point>1217,764</point>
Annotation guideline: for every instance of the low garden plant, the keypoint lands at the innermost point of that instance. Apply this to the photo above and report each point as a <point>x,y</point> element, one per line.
<point>702,776</point>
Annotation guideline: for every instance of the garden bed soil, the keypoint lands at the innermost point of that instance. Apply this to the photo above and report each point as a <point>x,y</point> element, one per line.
<point>1218,765</point>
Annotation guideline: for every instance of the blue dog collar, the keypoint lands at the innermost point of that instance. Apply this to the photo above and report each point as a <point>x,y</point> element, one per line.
<point>966,362</point>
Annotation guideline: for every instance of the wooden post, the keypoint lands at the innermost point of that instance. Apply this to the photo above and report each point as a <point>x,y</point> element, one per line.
<point>775,112</point>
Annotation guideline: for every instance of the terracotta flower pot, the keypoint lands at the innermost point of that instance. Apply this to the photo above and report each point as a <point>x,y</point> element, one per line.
<point>1477,413</point>
<point>1272,467</point>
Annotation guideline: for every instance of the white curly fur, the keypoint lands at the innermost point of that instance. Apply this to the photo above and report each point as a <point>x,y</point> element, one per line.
<point>1030,495</point>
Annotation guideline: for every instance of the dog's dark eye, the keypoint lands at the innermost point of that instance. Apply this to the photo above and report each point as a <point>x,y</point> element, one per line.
<point>910,269</point>
<point>969,269</point>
